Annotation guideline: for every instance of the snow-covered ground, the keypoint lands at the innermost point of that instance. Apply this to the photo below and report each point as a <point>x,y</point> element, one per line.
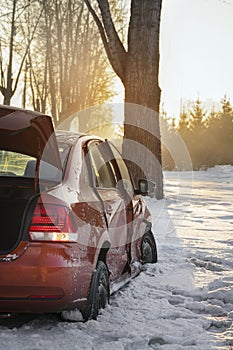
<point>183,302</point>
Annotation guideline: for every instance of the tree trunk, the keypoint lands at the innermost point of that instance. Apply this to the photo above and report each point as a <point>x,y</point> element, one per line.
<point>138,68</point>
<point>8,92</point>
<point>141,143</point>
<point>142,94</point>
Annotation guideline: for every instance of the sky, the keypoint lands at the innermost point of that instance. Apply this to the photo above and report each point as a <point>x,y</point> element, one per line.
<point>196,53</point>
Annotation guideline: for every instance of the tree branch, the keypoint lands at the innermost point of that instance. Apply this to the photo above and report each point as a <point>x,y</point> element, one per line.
<point>26,53</point>
<point>2,79</point>
<point>113,46</point>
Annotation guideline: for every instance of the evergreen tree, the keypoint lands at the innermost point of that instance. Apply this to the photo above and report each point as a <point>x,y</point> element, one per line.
<point>226,105</point>
<point>209,139</point>
<point>197,136</point>
<point>225,132</point>
<point>183,125</point>
<point>197,116</point>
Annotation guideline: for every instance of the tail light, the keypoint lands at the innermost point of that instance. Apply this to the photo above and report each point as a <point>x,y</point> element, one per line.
<point>51,222</point>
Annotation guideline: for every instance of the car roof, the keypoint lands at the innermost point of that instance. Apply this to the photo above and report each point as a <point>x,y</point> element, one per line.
<point>71,137</point>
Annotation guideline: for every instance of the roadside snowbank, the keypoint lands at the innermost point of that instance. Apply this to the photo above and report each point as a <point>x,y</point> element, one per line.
<point>183,302</point>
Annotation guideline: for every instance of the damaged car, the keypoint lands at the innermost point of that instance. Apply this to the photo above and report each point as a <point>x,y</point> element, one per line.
<point>73,229</point>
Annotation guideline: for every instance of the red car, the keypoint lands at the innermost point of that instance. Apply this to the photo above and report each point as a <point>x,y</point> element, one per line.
<point>72,227</point>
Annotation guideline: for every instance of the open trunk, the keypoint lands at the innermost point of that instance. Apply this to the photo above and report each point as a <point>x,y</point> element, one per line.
<point>17,200</point>
<point>28,155</point>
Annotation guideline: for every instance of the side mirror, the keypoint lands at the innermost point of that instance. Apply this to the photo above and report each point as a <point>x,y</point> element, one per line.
<point>146,187</point>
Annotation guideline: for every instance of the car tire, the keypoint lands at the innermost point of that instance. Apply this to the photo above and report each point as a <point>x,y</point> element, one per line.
<point>99,293</point>
<point>148,248</point>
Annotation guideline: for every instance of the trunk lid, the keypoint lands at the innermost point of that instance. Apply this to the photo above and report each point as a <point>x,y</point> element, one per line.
<point>29,133</point>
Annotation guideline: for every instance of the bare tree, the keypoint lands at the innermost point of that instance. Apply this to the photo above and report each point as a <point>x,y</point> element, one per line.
<point>68,68</point>
<point>8,85</point>
<point>138,68</point>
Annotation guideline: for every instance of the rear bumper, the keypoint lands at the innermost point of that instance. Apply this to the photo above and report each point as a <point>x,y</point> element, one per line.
<point>45,278</point>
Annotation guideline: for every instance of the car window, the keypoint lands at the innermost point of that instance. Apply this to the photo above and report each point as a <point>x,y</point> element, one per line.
<point>18,164</point>
<point>124,173</point>
<point>64,150</point>
<point>103,174</point>
<point>14,164</point>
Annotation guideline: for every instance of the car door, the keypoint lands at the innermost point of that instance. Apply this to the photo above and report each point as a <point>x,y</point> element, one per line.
<point>135,207</point>
<point>104,183</point>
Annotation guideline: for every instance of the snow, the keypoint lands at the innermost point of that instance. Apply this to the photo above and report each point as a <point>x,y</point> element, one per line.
<point>185,301</point>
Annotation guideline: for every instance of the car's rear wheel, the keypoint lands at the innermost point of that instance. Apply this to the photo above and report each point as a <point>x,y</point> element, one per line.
<point>99,292</point>
<point>148,248</point>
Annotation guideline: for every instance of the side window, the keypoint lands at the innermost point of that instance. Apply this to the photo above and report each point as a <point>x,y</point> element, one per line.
<point>124,173</point>
<point>102,169</point>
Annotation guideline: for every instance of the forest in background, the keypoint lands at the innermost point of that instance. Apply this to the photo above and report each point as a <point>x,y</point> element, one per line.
<point>51,56</point>
<point>208,136</point>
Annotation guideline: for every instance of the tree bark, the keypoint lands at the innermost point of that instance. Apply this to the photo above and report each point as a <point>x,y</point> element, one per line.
<point>141,84</point>
<point>138,68</point>
<point>8,91</point>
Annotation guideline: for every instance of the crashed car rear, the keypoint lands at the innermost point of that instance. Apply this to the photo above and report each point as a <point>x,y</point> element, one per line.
<point>72,227</point>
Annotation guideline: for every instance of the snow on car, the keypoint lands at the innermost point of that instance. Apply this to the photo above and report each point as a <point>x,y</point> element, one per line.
<point>72,226</point>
